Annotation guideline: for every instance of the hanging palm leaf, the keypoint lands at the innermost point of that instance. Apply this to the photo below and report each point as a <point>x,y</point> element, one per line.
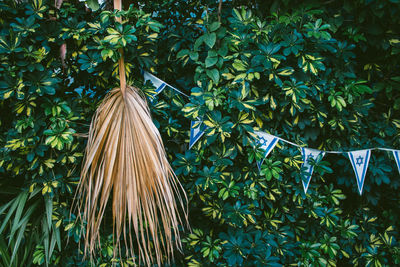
<point>125,158</point>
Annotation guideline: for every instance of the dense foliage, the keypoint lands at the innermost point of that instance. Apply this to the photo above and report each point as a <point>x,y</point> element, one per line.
<point>322,75</point>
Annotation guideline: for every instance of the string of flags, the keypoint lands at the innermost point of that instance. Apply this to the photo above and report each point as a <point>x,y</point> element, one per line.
<point>197,127</point>
<point>359,159</point>
<point>159,84</point>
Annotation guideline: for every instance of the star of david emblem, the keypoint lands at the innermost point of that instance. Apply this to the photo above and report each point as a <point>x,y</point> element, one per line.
<point>310,156</point>
<point>359,161</point>
<point>263,141</point>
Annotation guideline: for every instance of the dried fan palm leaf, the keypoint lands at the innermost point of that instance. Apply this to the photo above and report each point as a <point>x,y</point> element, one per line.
<point>125,157</point>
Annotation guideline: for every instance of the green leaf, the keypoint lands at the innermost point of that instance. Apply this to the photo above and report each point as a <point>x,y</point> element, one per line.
<point>49,211</point>
<point>194,55</point>
<point>21,204</point>
<point>215,26</point>
<point>286,71</point>
<point>13,207</point>
<point>93,4</point>
<point>198,42</point>
<point>239,65</point>
<point>211,61</point>
<point>182,53</point>
<point>21,228</point>
<point>209,39</point>
<point>213,74</point>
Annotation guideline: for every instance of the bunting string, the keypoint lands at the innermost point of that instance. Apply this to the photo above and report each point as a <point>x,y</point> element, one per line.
<point>333,151</point>
<point>359,159</point>
<point>159,84</point>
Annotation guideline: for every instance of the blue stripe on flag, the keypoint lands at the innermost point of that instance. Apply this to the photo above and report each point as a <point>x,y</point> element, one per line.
<point>304,160</point>
<point>267,151</point>
<point>195,137</point>
<point>160,88</point>
<point>397,158</point>
<point>317,156</point>
<point>355,170</point>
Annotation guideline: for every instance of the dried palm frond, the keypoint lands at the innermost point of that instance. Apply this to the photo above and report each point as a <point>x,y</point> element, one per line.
<point>125,157</point>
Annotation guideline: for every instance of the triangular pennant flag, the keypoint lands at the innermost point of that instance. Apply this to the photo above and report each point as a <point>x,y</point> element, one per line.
<point>396,154</point>
<point>308,154</point>
<point>197,129</point>
<point>158,84</point>
<point>267,142</point>
<point>360,159</point>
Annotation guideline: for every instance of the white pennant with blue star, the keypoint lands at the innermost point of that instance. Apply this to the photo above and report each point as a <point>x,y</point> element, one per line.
<point>396,154</point>
<point>308,155</point>
<point>267,143</point>
<point>197,129</point>
<point>157,83</point>
<point>360,160</point>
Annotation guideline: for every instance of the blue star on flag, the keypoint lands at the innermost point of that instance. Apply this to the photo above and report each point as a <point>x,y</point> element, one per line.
<point>267,142</point>
<point>263,141</point>
<point>307,154</point>
<point>359,161</point>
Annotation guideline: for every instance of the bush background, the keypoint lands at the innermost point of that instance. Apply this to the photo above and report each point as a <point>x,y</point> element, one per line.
<point>322,74</point>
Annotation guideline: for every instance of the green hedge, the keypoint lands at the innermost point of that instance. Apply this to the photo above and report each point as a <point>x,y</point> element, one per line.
<point>324,75</point>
